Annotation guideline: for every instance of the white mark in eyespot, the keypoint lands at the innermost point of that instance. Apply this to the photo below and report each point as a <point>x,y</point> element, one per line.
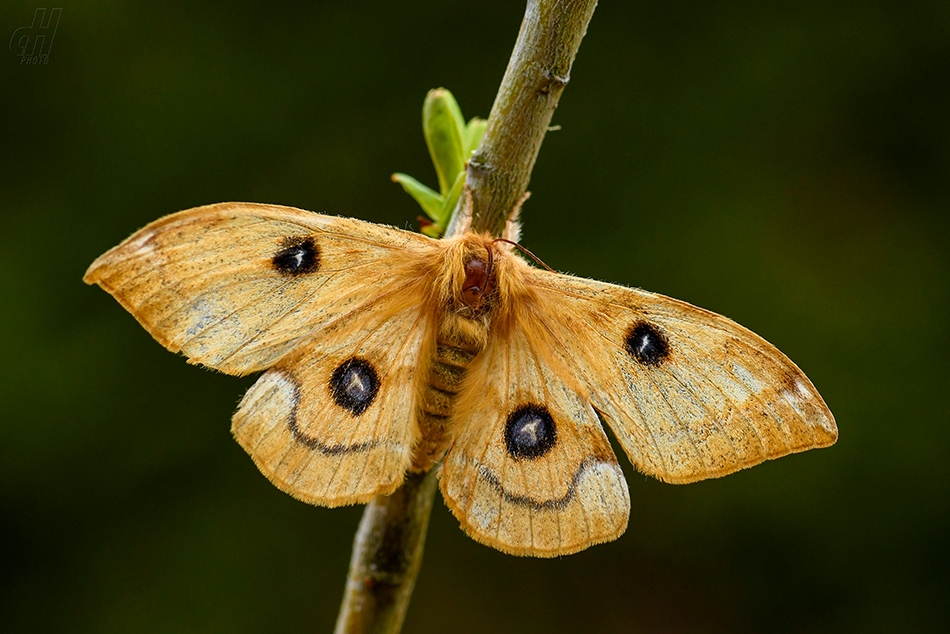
<point>644,342</point>
<point>358,387</point>
<point>530,430</point>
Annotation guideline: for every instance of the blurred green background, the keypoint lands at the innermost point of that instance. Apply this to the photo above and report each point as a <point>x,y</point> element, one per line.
<point>786,164</point>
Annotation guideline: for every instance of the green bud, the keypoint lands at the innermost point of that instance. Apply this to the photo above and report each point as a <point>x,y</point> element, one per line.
<point>448,206</point>
<point>451,142</point>
<point>443,127</point>
<point>474,132</point>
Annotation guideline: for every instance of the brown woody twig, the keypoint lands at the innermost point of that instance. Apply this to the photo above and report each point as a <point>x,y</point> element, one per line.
<point>387,551</point>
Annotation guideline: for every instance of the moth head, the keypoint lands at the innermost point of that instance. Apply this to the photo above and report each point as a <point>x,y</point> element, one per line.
<point>478,275</point>
<point>478,280</point>
<point>468,274</point>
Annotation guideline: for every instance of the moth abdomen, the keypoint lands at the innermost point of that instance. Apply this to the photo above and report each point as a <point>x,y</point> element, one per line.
<point>436,401</point>
<point>459,340</point>
<point>453,355</point>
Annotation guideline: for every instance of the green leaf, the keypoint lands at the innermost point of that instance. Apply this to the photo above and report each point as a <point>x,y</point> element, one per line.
<point>474,132</point>
<point>453,198</point>
<point>430,201</point>
<point>434,230</point>
<point>443,127</point>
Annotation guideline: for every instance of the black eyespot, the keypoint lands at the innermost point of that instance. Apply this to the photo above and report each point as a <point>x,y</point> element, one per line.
<point>298,256</point>
<point>530,432</point>
<point>647,344</point>
<point>354,385</point>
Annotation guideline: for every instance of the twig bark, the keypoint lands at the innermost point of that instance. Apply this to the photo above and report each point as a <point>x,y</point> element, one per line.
<point>387,551</point>
<point>538,71</point>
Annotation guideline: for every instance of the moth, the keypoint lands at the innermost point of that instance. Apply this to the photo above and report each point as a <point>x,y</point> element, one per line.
<point>385,351</point>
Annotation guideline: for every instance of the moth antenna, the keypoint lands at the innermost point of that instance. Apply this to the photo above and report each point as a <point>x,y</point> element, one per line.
<point>523,250</point>
<point>487,276</point>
